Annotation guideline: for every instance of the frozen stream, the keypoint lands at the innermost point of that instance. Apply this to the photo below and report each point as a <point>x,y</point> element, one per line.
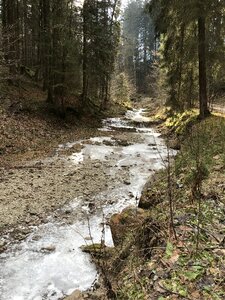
<point>49,263</point>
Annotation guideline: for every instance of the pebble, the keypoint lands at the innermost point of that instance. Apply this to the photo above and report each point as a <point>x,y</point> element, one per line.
<point>97,165</point>
<point>49,248</point>
<point>76,295</point>
<point>127,182</point>
<point>3,255</point>
<point>217,157</point>
<point>2,246</point>
<point>2,243</point>
<point>36,237</point>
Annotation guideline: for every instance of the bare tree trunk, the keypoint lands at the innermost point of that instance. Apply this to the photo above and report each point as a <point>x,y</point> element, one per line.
<point>85,71</point>
<point>203,98</point>
<point>11,17</point>
<point>47,47</point>
<point>180,67</point>
<point>58,57</point>
<point>4,28</point>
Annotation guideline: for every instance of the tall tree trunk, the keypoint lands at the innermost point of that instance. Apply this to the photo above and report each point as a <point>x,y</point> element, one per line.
<point>25,59</point>
<point>85,55</point>
<point>59,56</point>
<point>203,98</point>
<point>5,43</point>
<point>46,52</point>
<point>190,88</point>
<point>11,24</point>
<point>180,65</point>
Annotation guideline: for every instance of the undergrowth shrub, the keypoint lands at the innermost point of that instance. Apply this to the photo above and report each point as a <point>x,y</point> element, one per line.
<point>180,122</point>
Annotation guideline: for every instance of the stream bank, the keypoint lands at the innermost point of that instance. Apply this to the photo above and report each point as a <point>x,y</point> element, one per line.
<point>149,261</point>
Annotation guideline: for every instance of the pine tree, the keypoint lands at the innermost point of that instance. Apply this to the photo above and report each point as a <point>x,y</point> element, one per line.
<point>100,43</point>
<point>138,44</point>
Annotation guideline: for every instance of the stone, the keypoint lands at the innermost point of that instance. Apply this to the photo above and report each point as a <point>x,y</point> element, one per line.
<point>2,246</point>
<point>76,295</point>
<point>123,143</point>
<point>32,212</point>
<point>108,143</point>
<point>98,251</point>
<point>174,144</point>
<point>2,243</point>
<point>216,157</point>
<point>50,248</point>
<point>127,182</point>
<point>131,195</point>
<point>97,165</point>
<point>28,220</point>
<point>151,195</point>
<point>149,199</point>
<point>121,224</point>
<point>96,295</point>
<point>218,167</point>
<point>91,205</point>
<point>36,237</point>
<point>20,236</point>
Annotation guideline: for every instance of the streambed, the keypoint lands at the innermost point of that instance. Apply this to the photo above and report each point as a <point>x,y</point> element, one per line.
<point>114,167</point>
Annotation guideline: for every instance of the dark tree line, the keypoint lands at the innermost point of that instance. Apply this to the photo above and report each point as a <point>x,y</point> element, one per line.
<point>101,39</point>
<point>138,45</point>
<point>68,48</point>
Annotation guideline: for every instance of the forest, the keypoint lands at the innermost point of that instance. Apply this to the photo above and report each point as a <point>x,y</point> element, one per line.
<point>80,52</point>
<point>112,149</point>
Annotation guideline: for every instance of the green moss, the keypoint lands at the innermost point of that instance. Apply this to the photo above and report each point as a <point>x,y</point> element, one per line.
<point>179,122</point>
<point>162,114</point>
<point>97,250</point>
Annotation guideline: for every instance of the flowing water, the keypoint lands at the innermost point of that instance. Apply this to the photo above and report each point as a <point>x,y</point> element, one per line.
<point>49,264</point>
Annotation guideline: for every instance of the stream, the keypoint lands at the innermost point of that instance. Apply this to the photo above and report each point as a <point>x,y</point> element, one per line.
<point>49,263</point>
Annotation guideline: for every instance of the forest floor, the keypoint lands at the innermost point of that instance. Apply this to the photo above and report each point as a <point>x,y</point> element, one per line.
<point>29,128</point>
